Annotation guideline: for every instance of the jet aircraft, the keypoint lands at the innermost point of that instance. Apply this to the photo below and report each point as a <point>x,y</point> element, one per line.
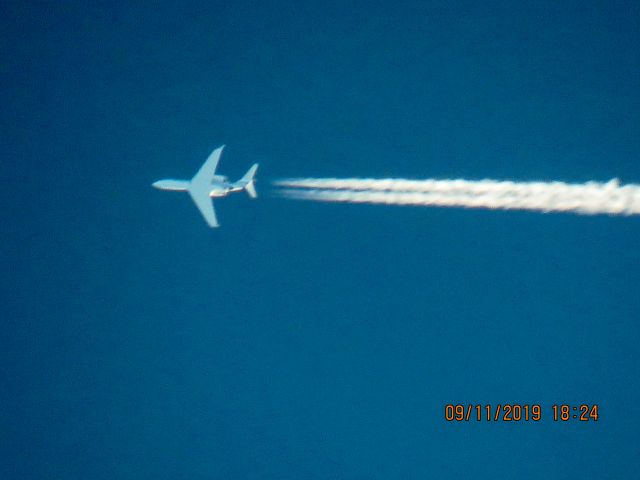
<point>206,185</point>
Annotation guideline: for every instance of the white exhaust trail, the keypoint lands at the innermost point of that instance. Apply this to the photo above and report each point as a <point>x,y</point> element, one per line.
<point>588,198</point>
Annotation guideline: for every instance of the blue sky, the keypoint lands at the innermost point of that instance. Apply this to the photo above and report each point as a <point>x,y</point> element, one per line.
<point>306,340</point>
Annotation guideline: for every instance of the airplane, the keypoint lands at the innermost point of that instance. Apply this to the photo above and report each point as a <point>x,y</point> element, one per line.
<point>206,185</point>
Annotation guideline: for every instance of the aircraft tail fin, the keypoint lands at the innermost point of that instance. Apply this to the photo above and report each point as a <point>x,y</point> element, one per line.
<point>248,181</point>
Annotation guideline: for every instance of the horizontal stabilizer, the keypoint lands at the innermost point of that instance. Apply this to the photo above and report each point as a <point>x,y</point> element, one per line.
<point>248,181</point>
<point>251,190</point>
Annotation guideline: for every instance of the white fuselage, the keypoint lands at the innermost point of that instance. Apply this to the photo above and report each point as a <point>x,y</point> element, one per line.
<point>220,186</point>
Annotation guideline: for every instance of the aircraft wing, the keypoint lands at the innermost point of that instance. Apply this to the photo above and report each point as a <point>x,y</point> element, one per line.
<point>208,168</point>
<point>205,205</point>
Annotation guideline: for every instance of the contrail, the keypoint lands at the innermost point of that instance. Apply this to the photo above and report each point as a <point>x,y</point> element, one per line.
<point>587,198</point>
